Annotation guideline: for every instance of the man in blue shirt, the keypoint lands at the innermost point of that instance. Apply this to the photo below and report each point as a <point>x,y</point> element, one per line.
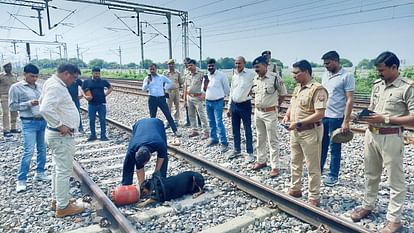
<point>148,136</point>
<point>95,94</point>
<point>340,86</point>
<point>77,94</point>
<point>156,84</point>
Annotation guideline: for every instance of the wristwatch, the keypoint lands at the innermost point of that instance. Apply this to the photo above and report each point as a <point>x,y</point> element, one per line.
<point>298,124</point>
<point>386,119</point>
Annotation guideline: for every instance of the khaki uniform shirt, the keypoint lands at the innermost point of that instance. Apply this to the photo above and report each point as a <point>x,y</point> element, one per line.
<point>394,99</point>
<point>5,82</point>
<point>306,100</point>
<point>176,79</point>
<point>266,95</point>
<point>272,68</point>
<point>194,82</point>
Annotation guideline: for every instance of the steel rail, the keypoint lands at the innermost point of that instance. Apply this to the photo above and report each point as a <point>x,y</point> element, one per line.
<point>292,206</point>
<point>121,221</point>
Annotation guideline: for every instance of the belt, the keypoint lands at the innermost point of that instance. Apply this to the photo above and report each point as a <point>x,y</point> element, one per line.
<point>378,130</point>
<point>32,118</point>
<point>172,91</point>
<point>268,109</point>
<point>215,100</point>
<point>163,96</point>
<point>244,102</point>
<point>195,94</point>
<point>57,130</point>
<point>308,126</point>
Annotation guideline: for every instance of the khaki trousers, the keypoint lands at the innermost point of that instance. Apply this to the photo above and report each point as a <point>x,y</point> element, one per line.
<point>63,150</point>
<point>174,98</point>
<point>7,121</point>
<point>266,126</point>
<point>306,145</point>
<point>196,105</point>
<point>384,151</point>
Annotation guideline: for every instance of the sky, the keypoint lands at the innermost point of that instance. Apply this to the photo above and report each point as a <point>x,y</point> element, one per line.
<point>292,30</point>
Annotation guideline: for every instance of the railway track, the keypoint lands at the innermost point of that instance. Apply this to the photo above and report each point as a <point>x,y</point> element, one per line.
<point>98,165</point>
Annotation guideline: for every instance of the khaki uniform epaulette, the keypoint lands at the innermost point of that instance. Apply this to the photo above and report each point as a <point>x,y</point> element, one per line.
<point>377,81</point>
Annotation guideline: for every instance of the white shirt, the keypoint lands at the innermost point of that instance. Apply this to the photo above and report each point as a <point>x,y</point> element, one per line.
<point>241,85</point>
<point>218,86</point>
<point>56,105</point>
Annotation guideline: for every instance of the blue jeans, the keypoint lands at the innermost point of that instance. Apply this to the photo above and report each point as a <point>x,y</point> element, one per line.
<point>329,125</point>
<point>214,110</point>
<point>129,167</point>
<point>159,101</point>
<point>33,135</point>
<point>101,110</point>
<point>77,104</point>
<point>242,112</point>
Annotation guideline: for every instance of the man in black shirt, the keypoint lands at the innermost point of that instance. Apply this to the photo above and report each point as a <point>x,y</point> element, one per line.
<point>95,93</point>
<point>148,136</point>
<point>76,93</point>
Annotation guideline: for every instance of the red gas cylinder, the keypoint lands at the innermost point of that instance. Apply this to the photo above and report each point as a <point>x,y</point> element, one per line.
<point>125,195</point>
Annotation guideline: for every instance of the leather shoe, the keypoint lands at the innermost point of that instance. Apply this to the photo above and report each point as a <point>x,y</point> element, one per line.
<point>359,214</point>
<point>314,202</point>
<point>53,204</point>
<point>258,166</point>
<point>391,227</point>
<point>274,172</point>
<point>293,193</point>
<point>71,209</point>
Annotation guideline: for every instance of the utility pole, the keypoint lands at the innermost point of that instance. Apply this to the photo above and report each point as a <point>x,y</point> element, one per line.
<point>14,47</point>
<point>60,47</point>
<point>77,51</point>
<point>201,51</point>
<point>120,57</point>
<point>169,34</point>
<point>141,33</point>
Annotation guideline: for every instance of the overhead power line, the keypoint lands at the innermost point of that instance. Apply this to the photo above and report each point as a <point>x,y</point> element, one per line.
<point>230,9</point>
<point>300,20</point>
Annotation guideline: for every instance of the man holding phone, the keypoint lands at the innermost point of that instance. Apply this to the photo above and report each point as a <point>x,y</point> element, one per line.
<point>392,100</point>
<point>155,85</point>
<point>24,98</point>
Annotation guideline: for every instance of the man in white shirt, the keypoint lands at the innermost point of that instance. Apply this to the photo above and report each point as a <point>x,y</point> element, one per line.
<point>216,89</point>
<point>240,107</point>
<point>62,117</point>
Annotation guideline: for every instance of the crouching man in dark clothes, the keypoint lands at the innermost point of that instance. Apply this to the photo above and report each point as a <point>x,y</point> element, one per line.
<point>159,189</point>
<point>148,136</point>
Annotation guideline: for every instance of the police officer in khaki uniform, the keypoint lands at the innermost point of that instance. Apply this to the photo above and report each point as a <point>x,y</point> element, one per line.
<point>7,78</point>
<point>174,92</point>
<point>195,98</point>
<point>271,67</point>
<point>392,100</point>
<point>269,93</point>
<point>307,108</point>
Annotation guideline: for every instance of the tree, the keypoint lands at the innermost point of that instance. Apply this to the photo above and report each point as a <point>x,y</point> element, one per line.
<point>345,62</point>
<point>147,62</point>
<point>96,62</point>
<point>132,65</point>
<point>366,64</point>
<point>314,65</point>
<point>77,62</point>
<point>225,63</point>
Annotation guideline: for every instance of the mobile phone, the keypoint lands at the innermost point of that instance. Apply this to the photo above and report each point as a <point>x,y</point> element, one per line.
<point>286,126</point>
<point>364,113</point>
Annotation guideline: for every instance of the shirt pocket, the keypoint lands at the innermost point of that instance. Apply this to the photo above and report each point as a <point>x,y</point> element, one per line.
<point>395,103</point>
<point>270,88</point>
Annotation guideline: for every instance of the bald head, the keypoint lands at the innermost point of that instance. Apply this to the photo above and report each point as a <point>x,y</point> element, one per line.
<point>239,63</point>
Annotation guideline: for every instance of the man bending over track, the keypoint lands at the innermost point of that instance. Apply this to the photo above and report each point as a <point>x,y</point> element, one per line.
<point>148,136</point>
